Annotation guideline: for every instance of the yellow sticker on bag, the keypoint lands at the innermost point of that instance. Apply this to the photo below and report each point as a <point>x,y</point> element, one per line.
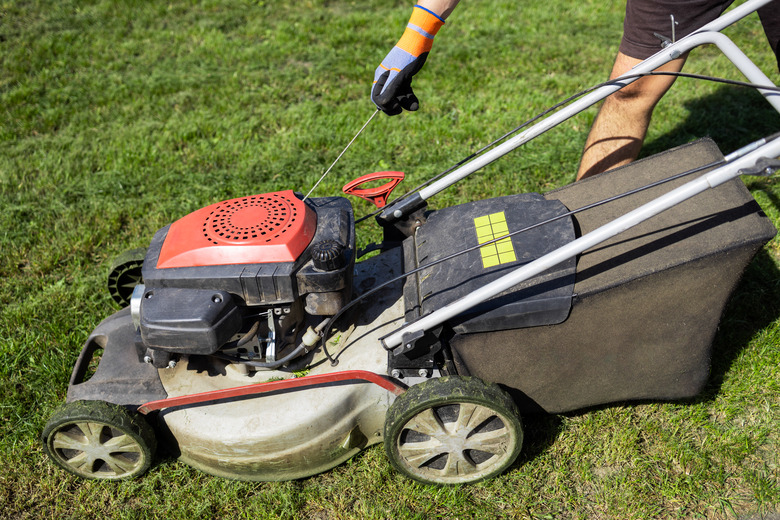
<point>490,227</point>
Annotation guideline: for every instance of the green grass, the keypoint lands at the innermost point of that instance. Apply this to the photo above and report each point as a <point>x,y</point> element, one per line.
<point>117,117</point>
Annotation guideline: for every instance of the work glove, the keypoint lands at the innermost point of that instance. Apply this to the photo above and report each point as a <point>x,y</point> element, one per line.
<point>392,90</point>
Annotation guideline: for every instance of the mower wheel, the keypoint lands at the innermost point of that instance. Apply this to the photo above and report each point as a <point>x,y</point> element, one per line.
<point>453,430</point>
<point>125,274</point>
<point>99,440</point>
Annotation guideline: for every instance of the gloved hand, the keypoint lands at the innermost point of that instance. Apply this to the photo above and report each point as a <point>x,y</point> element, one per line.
<point>392,90</point>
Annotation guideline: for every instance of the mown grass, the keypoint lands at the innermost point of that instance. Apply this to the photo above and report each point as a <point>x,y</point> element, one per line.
<point>120,116</point>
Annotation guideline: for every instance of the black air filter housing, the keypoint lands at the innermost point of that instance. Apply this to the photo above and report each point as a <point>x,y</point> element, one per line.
<point>188,321</point>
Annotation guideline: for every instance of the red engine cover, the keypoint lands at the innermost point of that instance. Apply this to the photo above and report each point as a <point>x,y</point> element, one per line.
<point>269,228</point>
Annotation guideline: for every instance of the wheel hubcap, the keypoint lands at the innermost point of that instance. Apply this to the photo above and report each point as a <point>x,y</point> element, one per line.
<point>455,441</point>
<point>95,449</point>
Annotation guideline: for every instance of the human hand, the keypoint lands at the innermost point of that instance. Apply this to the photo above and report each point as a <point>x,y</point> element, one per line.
<point>392,91</point>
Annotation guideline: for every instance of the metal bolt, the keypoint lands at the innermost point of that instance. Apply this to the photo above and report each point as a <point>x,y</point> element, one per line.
<point>396,373</point>
<point>148,360</point>
<point>397,213</point>
<point>172,363</point>
<point>423,372</point>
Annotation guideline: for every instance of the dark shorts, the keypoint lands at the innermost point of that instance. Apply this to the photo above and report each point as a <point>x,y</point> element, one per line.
<point>644,18</point>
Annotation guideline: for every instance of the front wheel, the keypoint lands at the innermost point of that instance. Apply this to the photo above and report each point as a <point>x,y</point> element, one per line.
<point>453,430</point>
<point>99,440</point>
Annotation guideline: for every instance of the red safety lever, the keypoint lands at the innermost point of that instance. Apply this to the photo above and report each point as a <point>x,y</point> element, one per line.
<point>376,195</point>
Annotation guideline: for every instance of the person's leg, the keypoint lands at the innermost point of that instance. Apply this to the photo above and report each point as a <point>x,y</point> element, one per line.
<point>617,135</point>
<point>770,19</point>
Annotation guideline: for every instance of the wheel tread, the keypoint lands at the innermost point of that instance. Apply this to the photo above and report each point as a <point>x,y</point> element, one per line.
<point>134,428</point>
<point>418,403</point>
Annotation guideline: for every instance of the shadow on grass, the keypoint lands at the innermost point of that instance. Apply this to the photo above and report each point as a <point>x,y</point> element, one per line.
<point>754,306</point>
<point>731,116</point>
<point>540,431</point>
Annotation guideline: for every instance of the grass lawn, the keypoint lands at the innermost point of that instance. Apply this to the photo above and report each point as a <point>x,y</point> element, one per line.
<point>118,117</point>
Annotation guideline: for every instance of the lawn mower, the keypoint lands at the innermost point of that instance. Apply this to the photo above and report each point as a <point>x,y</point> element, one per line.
<point>254,344</point>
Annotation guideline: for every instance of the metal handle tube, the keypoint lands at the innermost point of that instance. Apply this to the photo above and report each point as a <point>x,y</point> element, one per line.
<point>743,63</point>
<point>735,15</point>
<point>705,35</point>
<point>572,249</point>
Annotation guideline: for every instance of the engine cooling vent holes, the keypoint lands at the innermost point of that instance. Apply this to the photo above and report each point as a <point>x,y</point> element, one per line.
<point>260,218</point>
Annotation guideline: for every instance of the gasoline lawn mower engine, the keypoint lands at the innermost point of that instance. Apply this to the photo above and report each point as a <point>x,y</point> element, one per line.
<point>243,279</point>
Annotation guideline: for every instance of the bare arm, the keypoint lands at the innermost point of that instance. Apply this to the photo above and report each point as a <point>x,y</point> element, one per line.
<point>443,8</point>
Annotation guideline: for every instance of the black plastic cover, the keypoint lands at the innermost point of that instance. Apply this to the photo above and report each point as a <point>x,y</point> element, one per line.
<point>543,300</point>
<point>188,321</point>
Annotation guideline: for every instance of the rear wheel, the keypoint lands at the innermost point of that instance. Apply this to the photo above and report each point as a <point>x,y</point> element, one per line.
<point>453,430</point>
<point>99,440</point>
<point>125,274</point>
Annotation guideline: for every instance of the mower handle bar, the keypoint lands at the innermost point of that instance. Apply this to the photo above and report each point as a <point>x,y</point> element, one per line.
<point>741,161</point>
<point>746,164</point>
<point>708,34</point>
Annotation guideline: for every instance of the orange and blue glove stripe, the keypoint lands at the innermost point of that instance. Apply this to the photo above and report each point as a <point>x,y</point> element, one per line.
<point>419,33</point>
<point>392,79</point>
